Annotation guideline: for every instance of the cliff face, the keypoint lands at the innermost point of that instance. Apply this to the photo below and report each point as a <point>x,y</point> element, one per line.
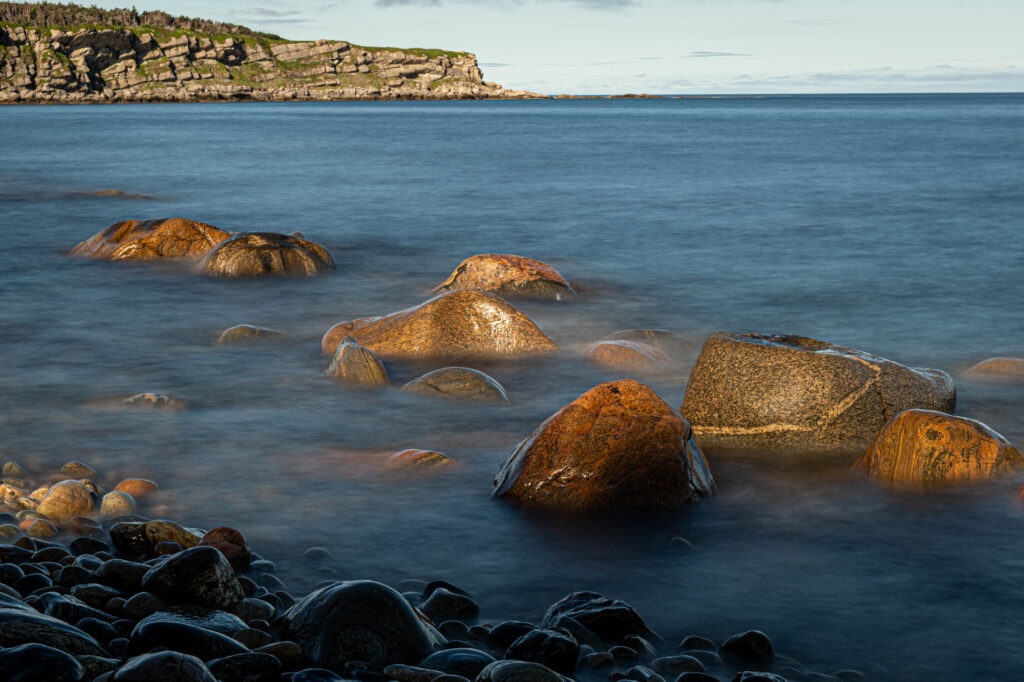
<point>139,64</point>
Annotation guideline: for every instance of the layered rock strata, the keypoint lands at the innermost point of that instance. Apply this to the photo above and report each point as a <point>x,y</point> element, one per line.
<point>132,64</point>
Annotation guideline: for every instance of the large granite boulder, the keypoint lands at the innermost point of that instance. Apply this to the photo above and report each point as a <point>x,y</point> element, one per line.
<point>458,324</point>
<point>458,382</point>
<point>762,395</point>
<point>152,240</point>
<point>508,275</point>
<point>251,254</point>
<point>359,621</point>
<point>200,576</point>
<point>616,446</point>
<point>926,447</point>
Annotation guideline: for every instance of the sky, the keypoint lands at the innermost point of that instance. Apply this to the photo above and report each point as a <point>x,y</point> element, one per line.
<point>676,46</point>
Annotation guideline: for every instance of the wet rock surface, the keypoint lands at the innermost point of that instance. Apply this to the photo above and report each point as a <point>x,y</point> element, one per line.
<point>355,364</point>
<point>508,275</point>
<point>627,356</point>
<point>458,382</point>
<point>458,324</point>
<point>932,448</point>
<point>617,446</point>
<point>254,254</point>
<point>998,369</point>
<point>142,240</point>
<point>246,333</point>
<point>768,395</point>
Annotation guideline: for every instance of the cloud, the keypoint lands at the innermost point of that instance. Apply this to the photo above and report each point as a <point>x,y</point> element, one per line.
<point>271,13</point>
<point>705,54</point>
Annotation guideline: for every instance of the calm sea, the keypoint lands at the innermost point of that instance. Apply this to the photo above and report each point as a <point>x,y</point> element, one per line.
<point>892,224</point>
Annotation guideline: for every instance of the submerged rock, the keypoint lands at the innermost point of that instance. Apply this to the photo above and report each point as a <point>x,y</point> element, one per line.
<point>154,400</point>
<point>668,342</point>
<point>241,333</point>
<point>629,356</point>
<point>359,621</point>
<point>508,275</point>
<point>998,369</point>
<point>458,382</point>
<point>419,460</point>
<point>457,324</point>
<point>768,395</point>
<point>926,447</point>
<point>747,648</point>
<point>616,446</point>
<point>151,240</point>
<point>355,364</point>
<point>251,254</point>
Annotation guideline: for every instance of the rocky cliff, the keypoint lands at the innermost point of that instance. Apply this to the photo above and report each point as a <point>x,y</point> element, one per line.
<point>143,63</point>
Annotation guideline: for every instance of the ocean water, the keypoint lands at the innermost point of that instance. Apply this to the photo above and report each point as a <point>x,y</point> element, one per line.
<point>888,223</point>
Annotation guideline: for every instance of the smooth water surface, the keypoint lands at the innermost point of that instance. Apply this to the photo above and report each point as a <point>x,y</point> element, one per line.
<point>890,224</point>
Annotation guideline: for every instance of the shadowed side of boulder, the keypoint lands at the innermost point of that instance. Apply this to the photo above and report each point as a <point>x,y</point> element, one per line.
<point>152,240</point>
<point>457,324</point>
<point>253,254</point>
<point>929,448</point>
<point>508,275</point>
<point>616,446</point>
<point>783,394</point>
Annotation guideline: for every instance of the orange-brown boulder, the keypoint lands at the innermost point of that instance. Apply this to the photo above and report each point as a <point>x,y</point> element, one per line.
<point>66,500</point>
<point>929,448</point>
<point>628,356</point>
<point>355,364</point>
<point>616,446</point>
<point>152,240</point>
<point>457,324</point>
<point>508,275</point>
<point>252,254</point>
<point>998,369</point>
<point>231,543</point>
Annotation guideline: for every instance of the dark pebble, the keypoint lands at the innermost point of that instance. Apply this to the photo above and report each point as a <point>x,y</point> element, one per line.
<point>317,554</point>
<point>248,586</point>
<point>624,653</point>
<point>118,646</point>
<point>454,629</point>
<point>252,638</point>
<point>550,648</point>
<point>696,677</point>
<point>598,660</point>
<point>143,604</point>
<point>204,644</point>
<point>503,634</point>
<point>86,545</point>
<point>708,658</point>
<point>271,582</point>
<point>70,576</point>
<point>748,647</point>
<point>673,666</point>
<point>30,583</point>
<point>755,676</point>
<point>35,662</point>
<point>94,594</point>
<point>288,653</point>
<point>10,574</point>
<point>89,562</point>
<point>247,667</point>
<point>46,554</point>
<point>464,662</point>
<point>262,566</point>
<point>166,666</point>
<point>122,575</point>
<point>643,674</point>
<point>443,604</point>
<point>643,648</point>
<point>255,609</point>
<point>314,675</point>
<point>850,675</point>
<point>99,630</point>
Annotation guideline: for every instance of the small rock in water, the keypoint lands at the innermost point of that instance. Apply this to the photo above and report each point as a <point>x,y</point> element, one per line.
<point>66,500</point>
<point>256,254</point>
<point>509,275</point>
<point>355,364</point>
<point>671,344</point>
<point>923,447</point>
<point>419,460</point>
<point>231,543</point>
<point>445,605</point>
<point>138,488</point>
<point>154,400</point>
<point>627,356</point>
<point>671,667</point>
<point>13,469</point>
<point>550,648</point>
<point>748,647</point>
<point>117,503</point>
<point>696,642</point>
<point>998,369</point>
<point>458,382</point>
<point>241,333</point>
<point>78,470</point>
<point>608,618</point>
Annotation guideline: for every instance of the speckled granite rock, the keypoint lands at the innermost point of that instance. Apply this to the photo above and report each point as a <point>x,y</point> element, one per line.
<point>767,395</point>
<point>252,254</point>
<point>151,240</point>
<point>508,275</point>
<point>457,324</point>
